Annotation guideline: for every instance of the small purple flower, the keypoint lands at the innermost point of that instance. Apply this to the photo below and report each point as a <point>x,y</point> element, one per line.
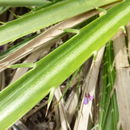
<point>86,101</point>
<point>91,98</point>
<point>87,98</point>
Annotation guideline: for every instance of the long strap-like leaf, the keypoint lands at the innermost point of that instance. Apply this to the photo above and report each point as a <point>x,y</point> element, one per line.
<point>23,2</point>
<point>45,17</point>
<point>19,97</point>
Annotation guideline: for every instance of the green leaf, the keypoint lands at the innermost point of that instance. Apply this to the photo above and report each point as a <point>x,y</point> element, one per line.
<point>45,17</point>
<point>104,11</point>
<point>51,95</point>
<point>108,114</point>
<point>70,30</point>
<point>25,65</point>
<point>23,2</point>
<point>19,97</point>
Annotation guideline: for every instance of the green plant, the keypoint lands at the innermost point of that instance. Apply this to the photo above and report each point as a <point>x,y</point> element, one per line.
<point>109,115</point>
<point>42,18</point>
<point>19,97</point>
<point>23,2</point>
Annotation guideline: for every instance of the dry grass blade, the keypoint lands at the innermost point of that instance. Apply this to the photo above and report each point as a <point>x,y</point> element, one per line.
<point>122,79</point>
<point>89,87</point>
<point>71,105</point>
<point>62,112</point>
<point>20,126</point>
<point>128,36</point>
